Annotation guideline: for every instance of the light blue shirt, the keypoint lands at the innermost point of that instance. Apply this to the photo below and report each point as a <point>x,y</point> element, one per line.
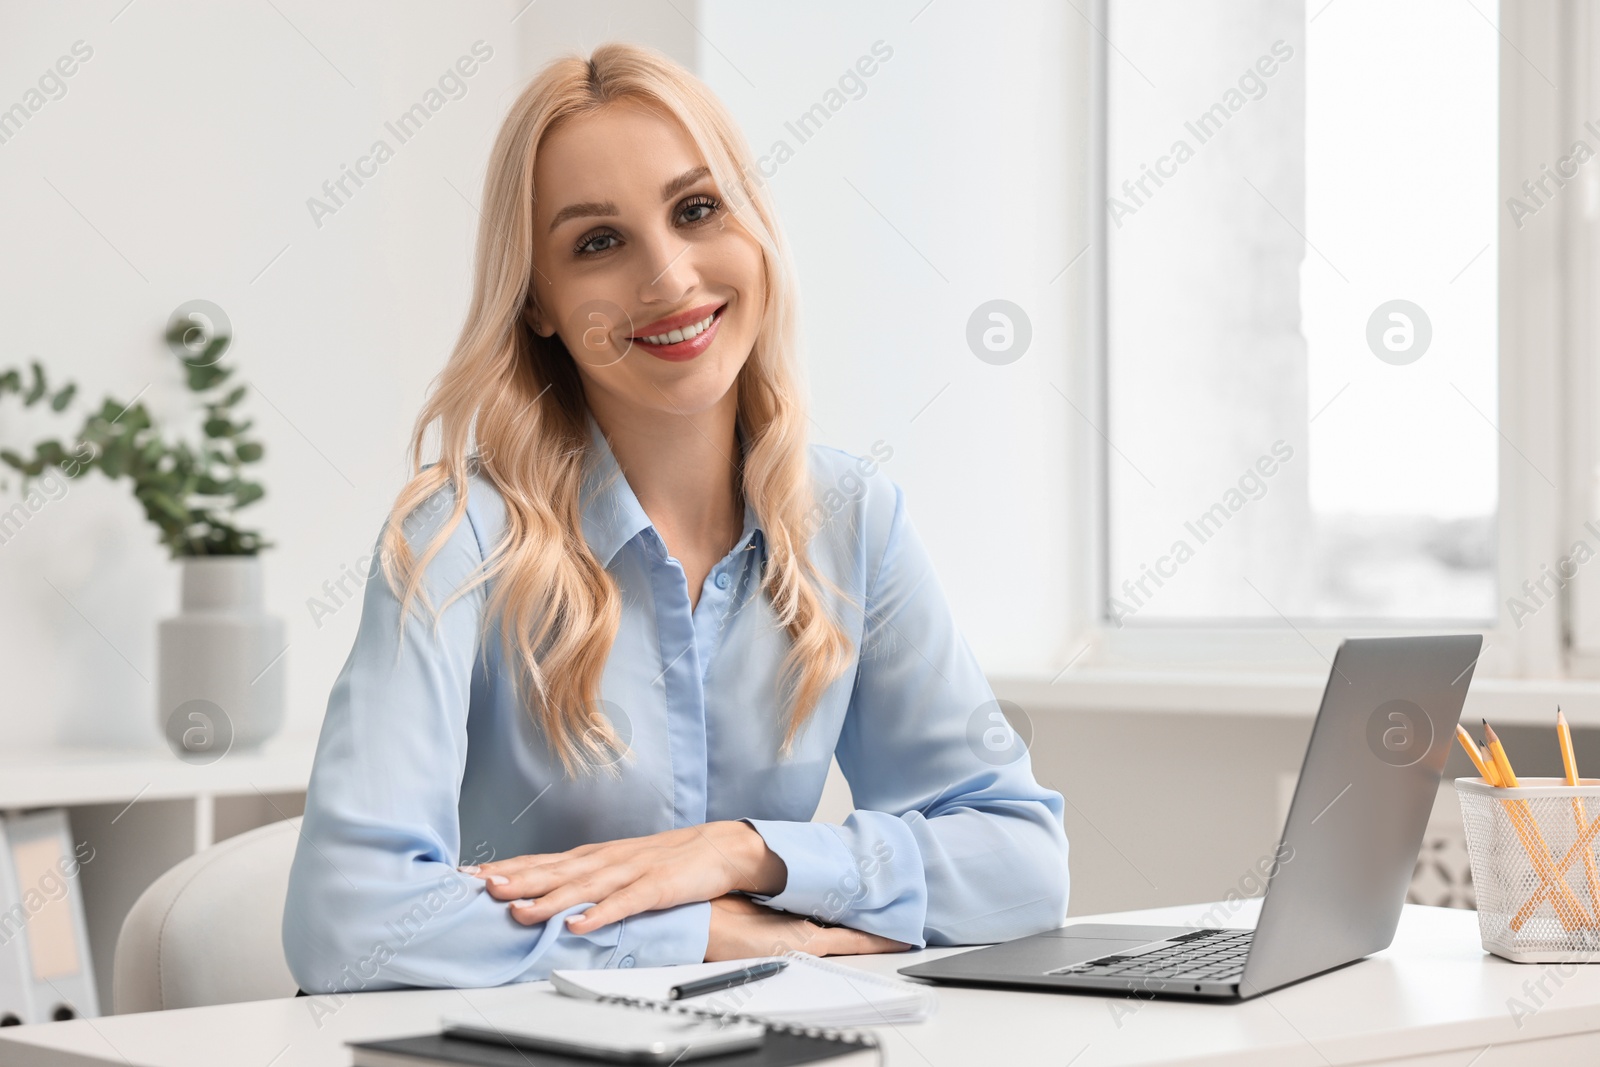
<point>427,760</point>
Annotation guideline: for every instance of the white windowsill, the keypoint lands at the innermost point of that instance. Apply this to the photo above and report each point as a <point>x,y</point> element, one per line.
<point>1501,700</point>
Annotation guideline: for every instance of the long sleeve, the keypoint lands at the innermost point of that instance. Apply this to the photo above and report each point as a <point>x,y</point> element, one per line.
<point>953,841</point>
<point>375,901</point>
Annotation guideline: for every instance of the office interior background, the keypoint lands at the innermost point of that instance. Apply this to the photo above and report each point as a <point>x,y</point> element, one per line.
<point>1200,336</point>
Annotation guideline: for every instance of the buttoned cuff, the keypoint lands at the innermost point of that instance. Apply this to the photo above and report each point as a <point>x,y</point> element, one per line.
<point>659,938</point>
<point>820,865</point>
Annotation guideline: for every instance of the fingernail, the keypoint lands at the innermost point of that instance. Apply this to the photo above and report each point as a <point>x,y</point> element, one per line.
<point>468,868</point>
<point>498,879</point>
<point>573,920</point>
<point>525,902</point>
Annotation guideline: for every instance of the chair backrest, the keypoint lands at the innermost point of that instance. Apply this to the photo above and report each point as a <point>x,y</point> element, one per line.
<point>209,931</point>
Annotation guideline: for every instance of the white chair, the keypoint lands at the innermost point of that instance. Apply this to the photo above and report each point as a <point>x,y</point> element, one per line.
<point>209,931</point>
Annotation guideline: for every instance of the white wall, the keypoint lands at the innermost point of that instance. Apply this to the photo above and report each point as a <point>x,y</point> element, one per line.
<point>178,165</point>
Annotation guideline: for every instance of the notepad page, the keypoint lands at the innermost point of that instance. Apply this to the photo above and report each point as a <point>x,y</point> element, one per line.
<point>807,991</point>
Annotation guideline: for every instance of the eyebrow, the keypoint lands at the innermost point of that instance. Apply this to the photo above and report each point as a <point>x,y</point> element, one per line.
<point>683,181</point>
<point>607,208</point>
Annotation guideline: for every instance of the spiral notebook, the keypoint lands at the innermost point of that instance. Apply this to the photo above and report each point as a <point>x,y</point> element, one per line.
<point>810,1010</point>
<point>807,993</point>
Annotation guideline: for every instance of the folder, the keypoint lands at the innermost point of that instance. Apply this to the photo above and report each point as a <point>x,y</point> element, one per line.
<point>45,866</point>
<point>16,984</point>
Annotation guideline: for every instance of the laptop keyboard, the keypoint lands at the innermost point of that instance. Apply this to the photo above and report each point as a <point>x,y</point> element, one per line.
<point>1202,955</point>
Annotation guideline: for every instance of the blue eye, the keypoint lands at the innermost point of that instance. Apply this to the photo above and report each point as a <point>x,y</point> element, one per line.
<point>590,245</point>
<point>698,209</point>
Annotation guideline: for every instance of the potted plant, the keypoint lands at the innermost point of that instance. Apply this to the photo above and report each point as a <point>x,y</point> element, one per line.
<point>220,680</point>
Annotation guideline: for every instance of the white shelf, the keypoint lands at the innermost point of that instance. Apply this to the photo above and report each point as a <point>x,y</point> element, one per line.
<point>64,776</point>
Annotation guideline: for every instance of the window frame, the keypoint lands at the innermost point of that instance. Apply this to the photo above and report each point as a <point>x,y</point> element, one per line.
<point>1542,270</point>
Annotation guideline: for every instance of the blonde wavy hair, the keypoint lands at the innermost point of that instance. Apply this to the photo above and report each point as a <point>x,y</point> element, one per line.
<point>510,406</point>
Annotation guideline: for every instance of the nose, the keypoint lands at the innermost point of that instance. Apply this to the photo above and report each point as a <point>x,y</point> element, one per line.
<point>668,270</point>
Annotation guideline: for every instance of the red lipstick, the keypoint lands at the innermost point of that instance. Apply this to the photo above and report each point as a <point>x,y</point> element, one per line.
<point>687,348</point>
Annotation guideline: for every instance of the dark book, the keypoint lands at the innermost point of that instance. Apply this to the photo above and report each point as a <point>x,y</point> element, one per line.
<point>781,1048</point>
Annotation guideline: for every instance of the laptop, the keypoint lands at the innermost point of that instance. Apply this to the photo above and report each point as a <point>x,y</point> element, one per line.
<point>1341,870</point>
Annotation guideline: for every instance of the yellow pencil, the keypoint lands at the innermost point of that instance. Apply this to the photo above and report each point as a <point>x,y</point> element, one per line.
<point>1568,909</point>
<point>1483,751</point>
<point>1497,751</point>
<point>1580,810</point>
<point>1569,760</point>
<point>1472,752</point>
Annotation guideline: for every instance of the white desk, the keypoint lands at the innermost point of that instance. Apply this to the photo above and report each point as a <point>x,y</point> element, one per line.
<point>1432,998</point>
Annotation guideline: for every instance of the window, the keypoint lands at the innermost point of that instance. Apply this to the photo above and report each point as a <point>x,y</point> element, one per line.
<point>1301,315</point>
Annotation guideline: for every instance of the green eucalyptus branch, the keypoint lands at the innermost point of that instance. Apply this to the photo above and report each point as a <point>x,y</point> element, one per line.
<point>189,491</point>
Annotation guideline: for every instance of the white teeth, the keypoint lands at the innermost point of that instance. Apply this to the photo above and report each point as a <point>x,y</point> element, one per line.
<point>681,335</point>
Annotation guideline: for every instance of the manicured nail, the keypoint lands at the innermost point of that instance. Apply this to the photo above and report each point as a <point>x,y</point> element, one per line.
<point>573,920</point>
<point>525,902</point>
<point>468,868</point>
<point>498,879</point>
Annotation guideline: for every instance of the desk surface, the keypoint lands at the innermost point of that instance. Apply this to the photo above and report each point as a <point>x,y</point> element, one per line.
<point>1433,997</point>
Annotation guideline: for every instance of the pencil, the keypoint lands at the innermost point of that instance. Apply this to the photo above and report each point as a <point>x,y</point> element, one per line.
<point>1472,752</point>
<point>1494,777</point>
<point>1580,810</point>
<point>1568,909</point>
<point>1497,751</point>
<point>1569,760</point>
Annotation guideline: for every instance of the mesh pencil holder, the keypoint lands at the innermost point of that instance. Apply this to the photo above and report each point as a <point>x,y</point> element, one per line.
<point>1535,853</point>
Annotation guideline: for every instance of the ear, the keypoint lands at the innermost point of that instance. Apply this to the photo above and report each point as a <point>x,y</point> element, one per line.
<point>535,321</point>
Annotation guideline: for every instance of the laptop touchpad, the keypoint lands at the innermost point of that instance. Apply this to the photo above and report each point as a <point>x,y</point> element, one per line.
<point>1082,949</point>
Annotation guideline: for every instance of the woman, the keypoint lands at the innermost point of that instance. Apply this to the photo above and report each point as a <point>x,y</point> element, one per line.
<point>659,614</point>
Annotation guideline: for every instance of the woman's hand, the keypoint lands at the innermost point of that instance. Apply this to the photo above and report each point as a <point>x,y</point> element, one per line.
<point>741,928</point>
<point>636,874</point>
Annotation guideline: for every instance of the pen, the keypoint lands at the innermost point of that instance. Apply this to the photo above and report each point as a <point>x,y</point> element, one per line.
<point>727,981</point>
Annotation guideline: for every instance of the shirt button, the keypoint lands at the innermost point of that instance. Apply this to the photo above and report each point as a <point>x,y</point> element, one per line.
<point>627,961</point>
<point>723,580</point>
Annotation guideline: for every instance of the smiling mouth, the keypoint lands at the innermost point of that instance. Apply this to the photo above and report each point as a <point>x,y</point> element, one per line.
<point>689,332</point>
<point>682,342</point>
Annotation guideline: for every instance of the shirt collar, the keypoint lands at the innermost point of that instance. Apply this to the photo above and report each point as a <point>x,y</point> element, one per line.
<point>613,516</point>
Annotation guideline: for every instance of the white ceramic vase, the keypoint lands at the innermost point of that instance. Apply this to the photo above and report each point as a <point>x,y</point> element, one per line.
<point>220,680</point>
